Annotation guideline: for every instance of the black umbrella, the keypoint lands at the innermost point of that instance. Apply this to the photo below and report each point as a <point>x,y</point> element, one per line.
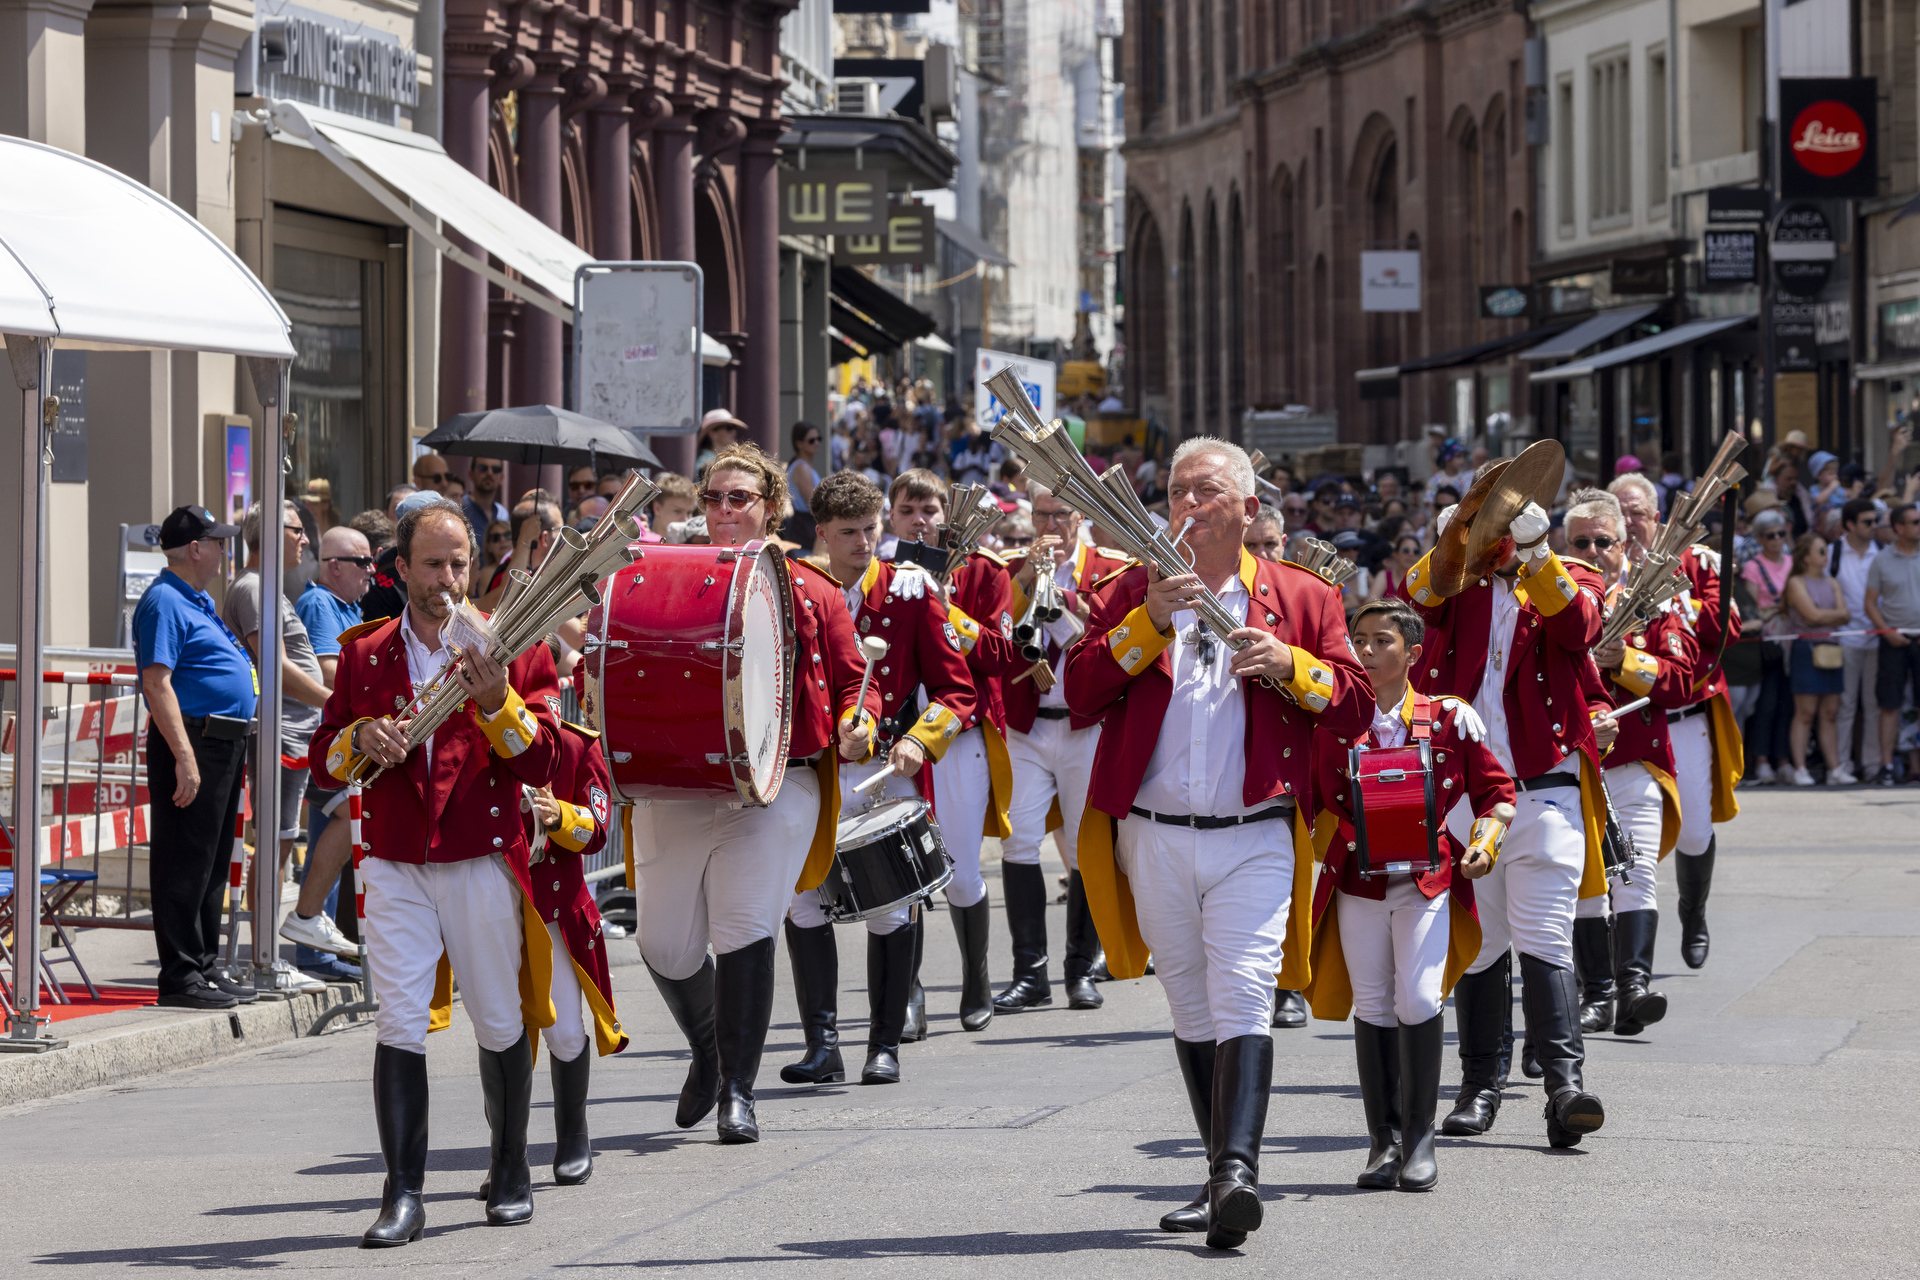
<point>538,434</point>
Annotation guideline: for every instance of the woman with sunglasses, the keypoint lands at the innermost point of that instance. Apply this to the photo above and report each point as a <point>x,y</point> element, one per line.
<point>801,478</point>
<point>495,549</point>
<point>1391,581</point>
<point>1766,574</point>
<point>710,873</point>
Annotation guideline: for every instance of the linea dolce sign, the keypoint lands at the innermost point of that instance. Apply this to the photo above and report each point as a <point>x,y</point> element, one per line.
<point>1827,138</point>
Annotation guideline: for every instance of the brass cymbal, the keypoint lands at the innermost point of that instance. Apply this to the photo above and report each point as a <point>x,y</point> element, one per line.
<point>1534,476</point>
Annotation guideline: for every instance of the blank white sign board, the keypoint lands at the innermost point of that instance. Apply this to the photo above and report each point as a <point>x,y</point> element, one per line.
<point>636,344</point>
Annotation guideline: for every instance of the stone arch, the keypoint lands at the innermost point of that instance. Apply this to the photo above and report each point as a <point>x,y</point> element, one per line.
<point>1146,304</point>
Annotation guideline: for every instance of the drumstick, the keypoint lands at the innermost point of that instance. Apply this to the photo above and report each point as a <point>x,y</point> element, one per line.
<point>875,649</point>
<point>863,787</point>
<point>1635,705</point>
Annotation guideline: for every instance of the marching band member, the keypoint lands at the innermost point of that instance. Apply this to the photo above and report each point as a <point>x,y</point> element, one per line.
<point>1052,750</point>
<point>1193,843</point>
<point>1657,662</point>
<point>446,874</point>
<point>1267,538</point>
<point>1708,755</point>
<point>713,872</point>
<point>1514,643</point>
<point>973,781</point>
<point>1393,945</point>
<point>900,604</point>
<point>567,824</point>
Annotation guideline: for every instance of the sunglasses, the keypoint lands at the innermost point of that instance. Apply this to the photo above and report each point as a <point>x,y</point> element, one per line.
<point>1016,542</point>
<point>1600,544</point>
<point>365,562</point>
<point>1771,535</point>
<point>502,536</point>
<point>583,484</point>
<point>733,499</point>
<point>431,477</point>
<point>486,468</point>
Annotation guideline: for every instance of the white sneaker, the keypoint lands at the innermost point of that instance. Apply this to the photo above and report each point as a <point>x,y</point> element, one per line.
<point>1801,778</point>
<point>320,933</point>
<point>1763,774</point>
<point>1842,777</point>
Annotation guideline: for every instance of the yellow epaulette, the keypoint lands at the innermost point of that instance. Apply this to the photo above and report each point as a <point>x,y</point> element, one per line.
<point>1300,568</point>
<point>1588,565</point>
<point>582,730</point>
<point>818,568</point>
<point>1115,553</point>
<point>994,556</point>
<point>364,628</point>
<point>1103,581</point>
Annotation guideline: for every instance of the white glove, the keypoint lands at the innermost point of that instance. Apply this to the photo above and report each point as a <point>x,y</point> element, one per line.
<point>910,581</point>
<point>1445,519</point>
<point>1468,722</point>
<point>1530,526</point>
<point>1709,558</point>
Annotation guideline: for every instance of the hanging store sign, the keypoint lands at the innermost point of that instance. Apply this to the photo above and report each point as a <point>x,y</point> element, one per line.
<point>1390,280</point>
<point>833,202</point>
<point>301,55</point>
<point>1827,138</point>
<point>1631,276</point>
<point>1730,257</point>
<point>1795,340</point>
<point>1738,205</point>
<point>1504,301</point>
<point>1803,250</point>
<point>907,241</point>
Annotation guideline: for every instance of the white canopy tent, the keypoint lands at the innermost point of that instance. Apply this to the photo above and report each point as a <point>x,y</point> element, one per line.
<point>414,179</point>
<point>90,258</point>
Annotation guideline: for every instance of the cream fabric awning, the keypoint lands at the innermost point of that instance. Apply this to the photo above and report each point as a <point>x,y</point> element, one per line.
<point>90,257</point>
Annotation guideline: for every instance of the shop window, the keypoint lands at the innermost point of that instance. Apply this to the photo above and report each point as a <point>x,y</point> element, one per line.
<point>1609,140</point>
<point>1900,328</point>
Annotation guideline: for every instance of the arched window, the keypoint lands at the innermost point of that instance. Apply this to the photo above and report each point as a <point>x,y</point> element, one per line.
<point>1147,308</point>
<point>1210,324</point>
<point>1189,371</point>
<point>1286,267</point>
<point>1236,318</point>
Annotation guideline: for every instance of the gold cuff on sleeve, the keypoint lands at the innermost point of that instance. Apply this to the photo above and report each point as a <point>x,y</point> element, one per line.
<point>342,759</point>
<point>966,628</point>
<point>511,729</point>
<point>1638,672</point>
<point>1312,683</point>
<point>935,729</point>
<point>1420,582</point>
<point>576,827</point>
<point>1549,587</point>
<point>1136,642</point>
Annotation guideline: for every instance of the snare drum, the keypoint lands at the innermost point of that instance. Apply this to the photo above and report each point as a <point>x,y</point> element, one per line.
<point>885,857</point>
<point>691,673</point>
<point>1396,823</point>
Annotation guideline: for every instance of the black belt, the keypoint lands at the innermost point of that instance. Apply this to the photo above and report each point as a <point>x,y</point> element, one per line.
<point>221,728</point>
<point>803,762</point>
<point>1697,709</point>
<point>1198,823</point>
<point>1052,713</point>
<point>1548,781</point>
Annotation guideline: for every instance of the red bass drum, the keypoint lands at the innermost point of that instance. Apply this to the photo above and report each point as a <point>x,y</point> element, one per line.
<point>691,673</point>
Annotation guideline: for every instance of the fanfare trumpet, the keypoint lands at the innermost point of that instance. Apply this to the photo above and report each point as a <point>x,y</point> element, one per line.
<point>535,603</point>
<point>1660,575</point>
<point>1108,500</point>
<point>1325,559</point>
<point>974,511</point>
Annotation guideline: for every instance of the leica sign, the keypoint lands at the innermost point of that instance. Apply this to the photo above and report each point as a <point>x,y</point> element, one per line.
<point>1828,146</point>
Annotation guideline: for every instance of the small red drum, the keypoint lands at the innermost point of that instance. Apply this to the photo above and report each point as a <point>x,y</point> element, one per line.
<point>1395,818</point>
<point>691,680</point>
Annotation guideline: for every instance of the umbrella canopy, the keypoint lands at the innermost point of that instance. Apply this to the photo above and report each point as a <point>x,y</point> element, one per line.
<point>539,434</point>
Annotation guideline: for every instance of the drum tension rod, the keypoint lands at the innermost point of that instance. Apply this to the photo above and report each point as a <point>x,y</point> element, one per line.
<point>735,646</point>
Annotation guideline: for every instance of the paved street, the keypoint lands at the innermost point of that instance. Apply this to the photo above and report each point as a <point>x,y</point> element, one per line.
<point>1757,1131</point>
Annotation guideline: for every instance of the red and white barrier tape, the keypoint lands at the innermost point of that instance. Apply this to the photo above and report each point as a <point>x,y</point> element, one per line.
<point>123,681</point>
<point>237,864</point>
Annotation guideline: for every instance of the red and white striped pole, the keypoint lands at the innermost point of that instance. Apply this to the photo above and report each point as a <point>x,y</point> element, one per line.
<point>236,867</point>
<point>359,882</point>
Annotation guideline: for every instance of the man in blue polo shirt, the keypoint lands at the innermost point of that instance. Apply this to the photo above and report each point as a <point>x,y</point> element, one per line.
<point>201,691</point>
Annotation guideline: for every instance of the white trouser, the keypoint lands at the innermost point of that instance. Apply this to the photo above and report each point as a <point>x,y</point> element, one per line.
<point>1212,907</point>
<point>1859,668</point>
<point>718,872</point>
<point>471,911</point>
<point>1693,775</point>
<point>568,1034</point>
<point>962,790</point>
<point>805,909</point>
<point>1637,803</point>
<point>1396,953</point>
<point>1527,900</point>
<point>1053,760</point>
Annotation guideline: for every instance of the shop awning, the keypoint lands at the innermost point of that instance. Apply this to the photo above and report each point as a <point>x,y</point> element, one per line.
<point>1589,331</point>
<point>872,315</point>
<point>934,342</point>
<point>971,242</point>
<point>1479,353</point>
<point>93,258</point>
<point>1645,349</point>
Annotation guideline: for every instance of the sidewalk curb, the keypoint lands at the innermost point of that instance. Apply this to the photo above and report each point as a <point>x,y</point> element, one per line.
<point>127,1052</point>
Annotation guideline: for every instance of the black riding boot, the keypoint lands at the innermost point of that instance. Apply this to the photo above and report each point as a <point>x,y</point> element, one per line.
<point>1289,1010</point>
<point>1376,1051</point>
<point>506,1082</point>
<point>1483,1022</point>
<point>914,1029</point>
<point>1196,1068</point>
<point>889,975</point>
<point>1640,1005</point>
<point>743,1005</point>
<point>572,1148</point>
<point>400,1111</point>
<point>1419,1048</point>
<point>690,1001</point>
<point>971,927</point>
<point>1593,958</point>
<point>816,987</point>
<point>1242,1079</point>
<point>1083,948</point>
<point>1026,890</point>
<point>1552,1005</point>
<point>1695,874</point>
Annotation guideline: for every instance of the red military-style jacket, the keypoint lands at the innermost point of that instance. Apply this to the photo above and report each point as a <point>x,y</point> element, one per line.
<point>1119,672</point>
<point>827,668</point>
<point>926,649</point>
<point>561,895</point>
<point>468,804</point>
<point>1091,565</point>
<point>1701,609</point>
<point>1461,767</point>
<point>978,606</point>
<point>1662,663</point>
<point>1559,621</point>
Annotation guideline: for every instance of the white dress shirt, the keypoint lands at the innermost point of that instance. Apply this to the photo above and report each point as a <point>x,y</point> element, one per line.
<point>1062,631</point>
<point>1199,764</point>
<point>423,664</point>
<point>1491,701</point>
<point>1389,730</point>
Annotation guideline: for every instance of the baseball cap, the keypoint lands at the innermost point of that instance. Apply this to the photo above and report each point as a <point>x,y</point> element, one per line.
<point>190,524</point>
<point>1347,540</point>
<point>1344,501</point>
<point>415,501</point>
